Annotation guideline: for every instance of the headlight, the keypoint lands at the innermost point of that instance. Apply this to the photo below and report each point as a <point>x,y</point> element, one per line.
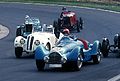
<point>37,42</point>
<point>22,41</point>
<point>63,60</point>
<point>46,58</point>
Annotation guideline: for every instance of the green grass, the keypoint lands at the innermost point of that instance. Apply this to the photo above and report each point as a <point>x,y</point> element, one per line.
<point>101,5</point>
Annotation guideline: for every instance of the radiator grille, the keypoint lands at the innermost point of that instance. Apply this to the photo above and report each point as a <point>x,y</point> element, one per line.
<point>30,42</point>
<point>55,58</point>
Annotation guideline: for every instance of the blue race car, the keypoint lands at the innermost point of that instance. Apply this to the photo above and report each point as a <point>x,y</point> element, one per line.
<point>68,53</point>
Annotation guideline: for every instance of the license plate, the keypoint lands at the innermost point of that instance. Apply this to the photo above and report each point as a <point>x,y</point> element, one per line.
<point>55,65</point>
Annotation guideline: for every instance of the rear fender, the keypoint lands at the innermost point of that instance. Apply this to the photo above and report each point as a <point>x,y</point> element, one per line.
<point>94,49</point>
<point>40,52</point>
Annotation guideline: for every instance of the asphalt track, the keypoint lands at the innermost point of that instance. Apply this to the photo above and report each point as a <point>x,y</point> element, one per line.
<point>98,24</point>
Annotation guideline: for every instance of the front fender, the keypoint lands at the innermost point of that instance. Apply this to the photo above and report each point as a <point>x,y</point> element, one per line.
<point>40,52</point>
<point>17,41</point>
<point>73,55</point>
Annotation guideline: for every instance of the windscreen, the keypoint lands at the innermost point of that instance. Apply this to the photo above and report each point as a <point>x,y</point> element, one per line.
<point>28,27</point>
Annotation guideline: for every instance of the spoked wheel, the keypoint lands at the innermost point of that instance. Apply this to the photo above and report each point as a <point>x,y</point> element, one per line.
<point>79,63</point>
<point>18,52</point>
<point>105,47</point>
<point>97,58</point>
<point>73,65</point>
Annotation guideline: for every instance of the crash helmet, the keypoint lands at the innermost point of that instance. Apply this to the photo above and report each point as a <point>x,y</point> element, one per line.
<point>64,8</point>
<point>66,31</point>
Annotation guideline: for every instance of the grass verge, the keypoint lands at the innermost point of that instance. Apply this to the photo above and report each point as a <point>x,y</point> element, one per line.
<point>101,5</point>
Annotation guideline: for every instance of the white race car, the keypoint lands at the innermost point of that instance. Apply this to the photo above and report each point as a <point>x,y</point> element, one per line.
<point>42,35</point>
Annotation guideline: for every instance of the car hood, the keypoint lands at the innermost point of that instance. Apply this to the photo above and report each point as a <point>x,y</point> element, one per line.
<point>41,34</point>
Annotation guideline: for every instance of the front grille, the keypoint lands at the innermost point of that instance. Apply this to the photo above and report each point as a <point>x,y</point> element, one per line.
<point>55,58</point>
<point>30,42</point>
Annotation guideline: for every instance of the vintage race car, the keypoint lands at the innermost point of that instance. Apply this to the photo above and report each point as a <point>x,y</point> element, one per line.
<point>41,35</point>
<point>69,20</point>
<point>28,26</point>
<point>68,53</point>
<point>106,48</point>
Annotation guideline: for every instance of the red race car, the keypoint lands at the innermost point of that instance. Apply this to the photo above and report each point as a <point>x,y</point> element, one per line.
<point>68,20</point>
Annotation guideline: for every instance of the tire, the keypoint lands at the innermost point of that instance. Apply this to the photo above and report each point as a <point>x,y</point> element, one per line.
<point>74,65</point>
<point>105,48</point>
<point>40,65</point>
<point>56,29</point>
<point>55,24</point>
<point>119,42</point>
<point>18,52</point>
<point>81,23</point>
<point>18,32</point>
<point>116,40</point>
<point>78,63</point>
<point>96,59</point>
<point>78,26</point>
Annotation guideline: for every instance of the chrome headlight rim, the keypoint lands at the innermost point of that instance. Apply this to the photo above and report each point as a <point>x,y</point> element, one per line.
<point>46,59</point>
<point>22,41</point>
<point>63,60</point>
<point>37,42</point>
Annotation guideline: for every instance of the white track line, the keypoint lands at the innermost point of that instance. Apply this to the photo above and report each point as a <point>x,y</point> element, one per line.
<point>115,78</point>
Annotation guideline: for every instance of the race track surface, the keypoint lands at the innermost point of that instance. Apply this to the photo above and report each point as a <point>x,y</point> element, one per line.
<point>97,24</point>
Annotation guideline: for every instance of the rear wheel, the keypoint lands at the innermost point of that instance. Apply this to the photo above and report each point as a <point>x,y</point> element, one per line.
<point>96,59</point>
<point>119,42</point>
<point>81,23</point>
<point>18,52</point>
<point>40,65</point>
<point>105,47</point>
<point>78,26</point>
<point>56,29</point>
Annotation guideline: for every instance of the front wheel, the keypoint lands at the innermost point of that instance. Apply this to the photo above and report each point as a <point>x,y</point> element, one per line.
<point>78,63</point>
<point>18,52</point>
<point>40,65</point>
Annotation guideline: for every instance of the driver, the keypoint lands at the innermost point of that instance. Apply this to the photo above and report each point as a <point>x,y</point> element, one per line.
<point>66,32</point>
<point>64,10</point>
